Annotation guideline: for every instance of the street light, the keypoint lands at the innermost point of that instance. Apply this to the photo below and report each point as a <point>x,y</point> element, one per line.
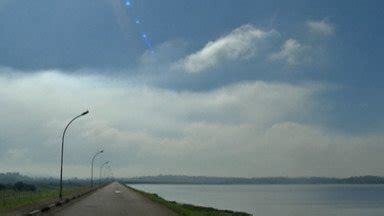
<point>110,172</point>
<point>93,159</point>
<point>107,170</point>
<point>101,167</point>
<point>62,151</point>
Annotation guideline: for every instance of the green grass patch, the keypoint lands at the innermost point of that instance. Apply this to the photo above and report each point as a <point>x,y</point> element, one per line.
<point>10,199</point>
<point>189,210</point>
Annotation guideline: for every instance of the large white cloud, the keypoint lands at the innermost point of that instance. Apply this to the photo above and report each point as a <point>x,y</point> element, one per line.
<point>245,129</point>
<point>242,43</point>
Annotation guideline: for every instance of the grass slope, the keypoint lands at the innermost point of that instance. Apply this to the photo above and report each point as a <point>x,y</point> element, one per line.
<point>187,209</point>
<point>11,199</point>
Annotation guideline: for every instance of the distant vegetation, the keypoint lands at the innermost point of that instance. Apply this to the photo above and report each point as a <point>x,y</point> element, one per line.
<point>18,186</point>
<point>13,177</point>
<point>175,179</point>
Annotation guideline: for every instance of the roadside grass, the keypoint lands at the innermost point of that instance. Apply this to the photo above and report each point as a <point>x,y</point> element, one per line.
<point>10,199</point>
<point>187,209</point>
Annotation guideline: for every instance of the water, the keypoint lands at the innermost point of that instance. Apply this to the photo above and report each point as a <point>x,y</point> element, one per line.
<point>273,200</point>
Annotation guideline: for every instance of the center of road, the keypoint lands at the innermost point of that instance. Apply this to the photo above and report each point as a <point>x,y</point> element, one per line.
<point>106,202</point>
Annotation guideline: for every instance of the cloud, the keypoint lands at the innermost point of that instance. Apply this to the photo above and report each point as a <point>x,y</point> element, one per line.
<point>290,52</point>
<point>321,27</point>
<point>133,122</point>
<point>315,151</point>
<point>242,43</point>
<point>231,131</point>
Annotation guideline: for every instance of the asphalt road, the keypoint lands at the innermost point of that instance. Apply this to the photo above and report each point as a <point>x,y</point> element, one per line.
<point>114,199</point>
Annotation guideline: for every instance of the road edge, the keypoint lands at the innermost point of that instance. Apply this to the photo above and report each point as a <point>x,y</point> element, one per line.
<point>46,208</point>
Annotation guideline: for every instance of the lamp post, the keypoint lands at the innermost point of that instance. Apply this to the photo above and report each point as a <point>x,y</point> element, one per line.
<point>101,168</point>
<point>106,172</point>
<point>62,152</point>
<point>93,159</point>
<point>110,172</point>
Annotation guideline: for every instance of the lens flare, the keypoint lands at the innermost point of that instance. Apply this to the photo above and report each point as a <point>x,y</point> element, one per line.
<point>129,4</point>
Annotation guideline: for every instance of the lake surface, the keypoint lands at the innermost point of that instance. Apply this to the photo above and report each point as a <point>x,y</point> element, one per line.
<point>274,200</point>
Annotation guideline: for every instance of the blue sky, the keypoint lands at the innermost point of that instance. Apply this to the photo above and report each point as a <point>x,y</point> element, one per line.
<point>243,55</point>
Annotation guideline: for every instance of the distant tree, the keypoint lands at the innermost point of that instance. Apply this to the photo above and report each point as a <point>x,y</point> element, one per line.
<point>11,177</point>
<point>20,186</point>
<point>2,187</point>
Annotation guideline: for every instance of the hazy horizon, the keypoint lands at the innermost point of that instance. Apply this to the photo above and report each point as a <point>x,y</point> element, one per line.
<point>108,175</point>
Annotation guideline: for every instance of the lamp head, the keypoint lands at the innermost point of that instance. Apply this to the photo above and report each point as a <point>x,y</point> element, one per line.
<point>85,113</point>
<point>101,151</point>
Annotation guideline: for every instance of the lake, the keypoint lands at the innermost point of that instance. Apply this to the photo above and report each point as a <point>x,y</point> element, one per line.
<point>272,200</point>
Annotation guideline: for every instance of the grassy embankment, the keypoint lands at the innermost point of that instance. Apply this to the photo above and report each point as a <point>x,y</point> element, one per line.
<point>189,210</point>
<point>10,199</point>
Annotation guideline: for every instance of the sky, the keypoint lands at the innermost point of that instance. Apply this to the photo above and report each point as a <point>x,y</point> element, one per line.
<point>219,88</point>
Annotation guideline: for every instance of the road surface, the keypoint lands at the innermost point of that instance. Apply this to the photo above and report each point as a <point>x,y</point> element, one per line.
<point>114,199</point>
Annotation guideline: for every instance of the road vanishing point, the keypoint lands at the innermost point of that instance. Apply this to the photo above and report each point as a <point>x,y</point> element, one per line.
<point>113,199</point>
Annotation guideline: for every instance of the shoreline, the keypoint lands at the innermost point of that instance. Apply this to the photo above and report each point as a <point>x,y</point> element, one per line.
<point>188,209</point>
